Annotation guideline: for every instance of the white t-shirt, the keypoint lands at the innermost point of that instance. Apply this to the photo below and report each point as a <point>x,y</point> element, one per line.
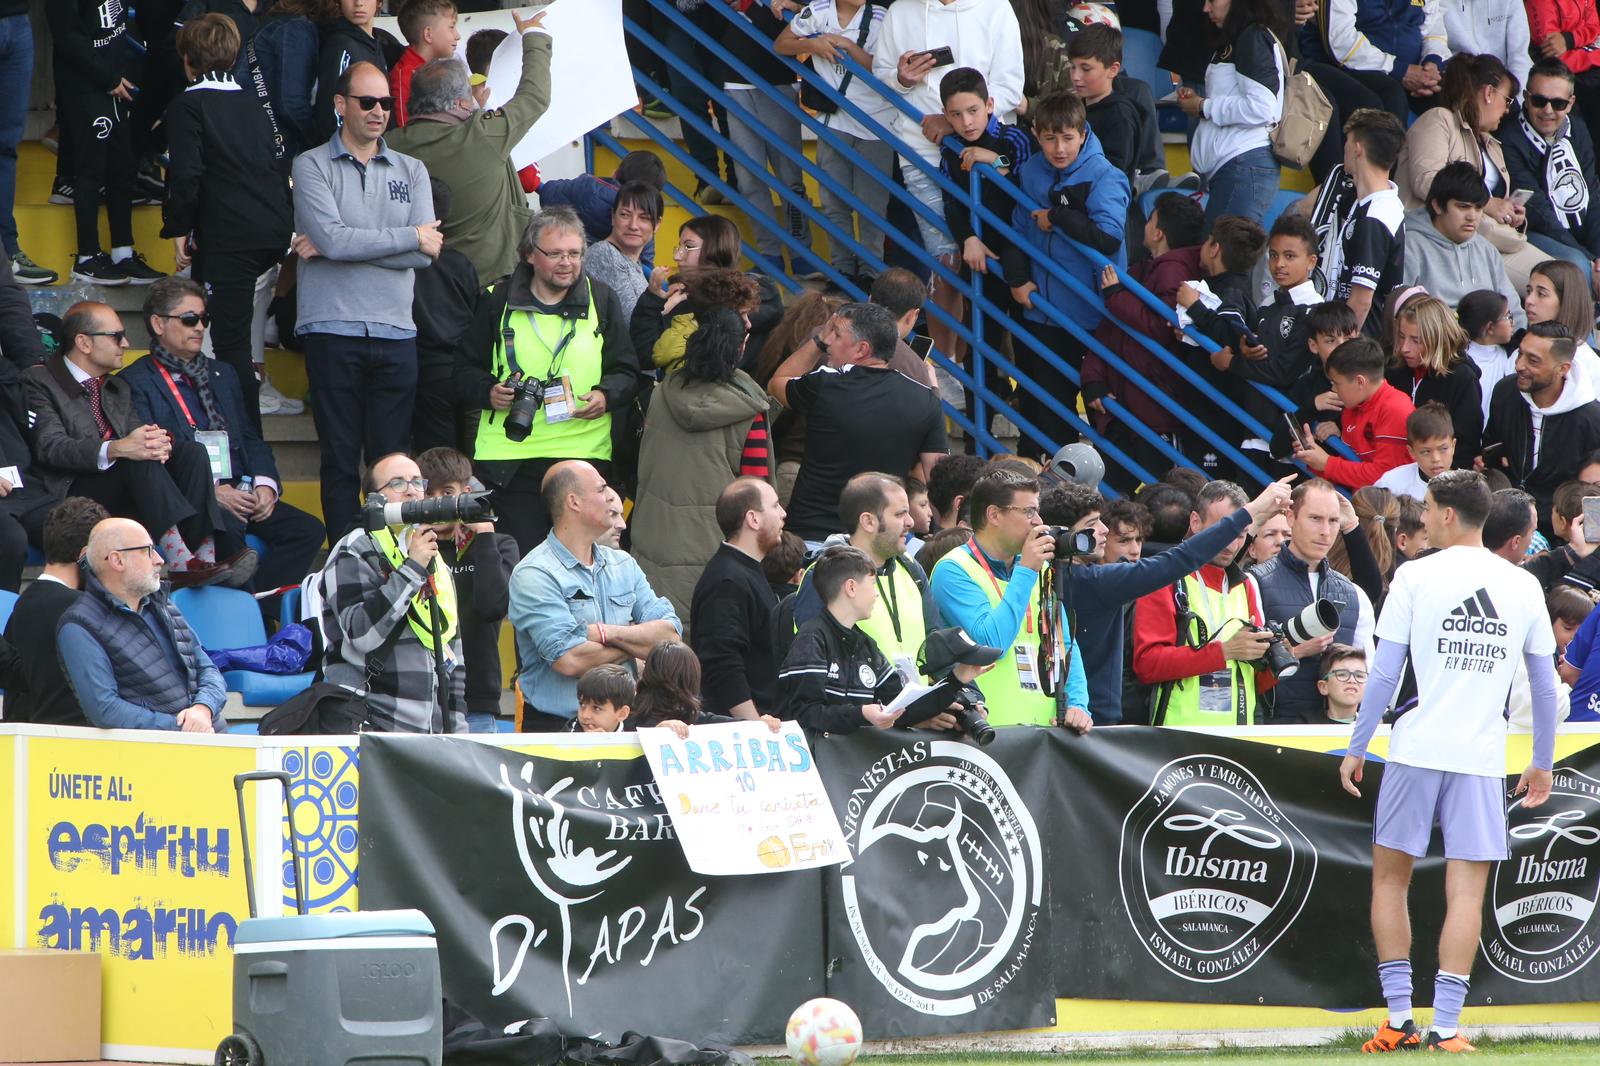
<point>1468,617</point>
<point>821,16</point>
<point>1404,481</point>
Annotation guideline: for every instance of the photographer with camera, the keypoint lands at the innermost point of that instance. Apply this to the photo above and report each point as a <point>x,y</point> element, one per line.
<point>1201,642</point>
<point>547,360</point>
<point>1296,580</point>
<point>1100,593</point>
<point>835,679</point>
<point>388,606</point>
<point>990,589</point>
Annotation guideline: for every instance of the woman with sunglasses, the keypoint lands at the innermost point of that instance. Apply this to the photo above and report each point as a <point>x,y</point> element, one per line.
<point>1549,152</point>
<point>228,211</point>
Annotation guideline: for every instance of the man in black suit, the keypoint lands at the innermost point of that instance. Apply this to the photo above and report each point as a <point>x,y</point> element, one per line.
<point>88,441</point>
<point>30,668</point>
<point>199,400</point>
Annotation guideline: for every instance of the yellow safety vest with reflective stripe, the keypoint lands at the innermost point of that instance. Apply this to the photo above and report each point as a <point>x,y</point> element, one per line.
<point>899,606</point>
<point>581,360</point>
<point>1008,702</point>
<point>420,613</point>
<point>1222,616</point>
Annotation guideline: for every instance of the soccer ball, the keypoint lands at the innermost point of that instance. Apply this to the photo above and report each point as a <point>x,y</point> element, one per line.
<point>1094,15</point>
<point>824,1032</point>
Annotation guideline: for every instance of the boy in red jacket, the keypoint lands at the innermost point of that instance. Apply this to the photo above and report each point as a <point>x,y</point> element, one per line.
<point>429,27</point>
<point>1373,422</point>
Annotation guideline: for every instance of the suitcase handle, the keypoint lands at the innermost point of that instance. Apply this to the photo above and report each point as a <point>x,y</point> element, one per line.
<point>239,781</point>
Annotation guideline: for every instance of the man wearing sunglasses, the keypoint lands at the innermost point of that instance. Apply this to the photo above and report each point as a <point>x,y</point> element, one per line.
<point>199,400</point>
<point>89,440</point>
<point>364,222</point>
<point>1549,152</point>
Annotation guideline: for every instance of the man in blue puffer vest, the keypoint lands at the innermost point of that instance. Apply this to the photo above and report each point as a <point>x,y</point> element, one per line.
<point>127,651</point>
<point>1085,204</point>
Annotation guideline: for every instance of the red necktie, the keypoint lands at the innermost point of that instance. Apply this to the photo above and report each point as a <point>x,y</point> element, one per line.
<point>93,386</point>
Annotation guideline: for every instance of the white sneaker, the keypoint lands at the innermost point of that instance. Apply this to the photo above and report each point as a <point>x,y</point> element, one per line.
<point>274,402</point>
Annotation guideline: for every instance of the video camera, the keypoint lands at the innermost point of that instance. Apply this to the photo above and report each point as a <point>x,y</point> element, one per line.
<point>1317,620</point>
<point>435,510</point>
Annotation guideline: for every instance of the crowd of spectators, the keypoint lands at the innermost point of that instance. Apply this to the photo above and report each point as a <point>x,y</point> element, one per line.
<point>717,501</point>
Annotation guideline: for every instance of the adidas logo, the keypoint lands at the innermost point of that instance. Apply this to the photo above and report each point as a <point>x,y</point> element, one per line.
<point>1476,614</point>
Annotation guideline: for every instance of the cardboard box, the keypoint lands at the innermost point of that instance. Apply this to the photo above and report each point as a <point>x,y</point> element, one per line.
<point>51,1009</point>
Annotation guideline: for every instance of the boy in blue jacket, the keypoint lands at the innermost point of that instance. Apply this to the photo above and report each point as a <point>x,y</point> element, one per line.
<point>1085,202</point>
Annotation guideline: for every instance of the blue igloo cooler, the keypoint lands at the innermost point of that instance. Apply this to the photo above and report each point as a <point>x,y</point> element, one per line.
<point>331,989</point>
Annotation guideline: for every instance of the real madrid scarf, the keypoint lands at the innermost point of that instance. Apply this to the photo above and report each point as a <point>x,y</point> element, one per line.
<point>1564,180</point>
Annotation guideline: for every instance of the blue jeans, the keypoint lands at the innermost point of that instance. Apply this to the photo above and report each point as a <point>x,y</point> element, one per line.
<point>16,78</point>
<point>1561,250</point>
<point>1244,185</point>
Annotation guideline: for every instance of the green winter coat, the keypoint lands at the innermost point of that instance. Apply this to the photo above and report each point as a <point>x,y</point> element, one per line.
<point>694,437</point>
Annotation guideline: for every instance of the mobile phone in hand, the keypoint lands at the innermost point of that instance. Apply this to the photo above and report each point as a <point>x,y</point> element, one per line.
<point>1591,519</point>
<point>1521,197</point>
<point>1295,433</point>
<point>942,56</point>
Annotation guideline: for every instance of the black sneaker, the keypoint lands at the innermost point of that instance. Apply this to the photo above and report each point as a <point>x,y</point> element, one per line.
<point>61,192</point>
<point>27,272</point>
<point>149,184</point>
<point>137,271</point>
<point>99,269</point>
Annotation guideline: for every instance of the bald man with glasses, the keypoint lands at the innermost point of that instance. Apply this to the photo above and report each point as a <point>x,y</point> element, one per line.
<point>364,225</point>
<point>128,653</point>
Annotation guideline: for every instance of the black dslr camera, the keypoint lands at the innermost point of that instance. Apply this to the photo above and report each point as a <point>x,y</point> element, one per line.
<point>1318,619</point>
<point>1071,543</point>
<point>527,396</point>
<point>971,718</point>
<point>435,510</point>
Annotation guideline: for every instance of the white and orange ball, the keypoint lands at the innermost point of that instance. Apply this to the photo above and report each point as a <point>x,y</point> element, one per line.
<point>824,1032</point>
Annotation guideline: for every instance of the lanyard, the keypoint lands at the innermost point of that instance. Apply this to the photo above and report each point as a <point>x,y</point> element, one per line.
<point>176,395</point>
<point>977,553</point>
<point>890,602</point>
<point>508,335</point>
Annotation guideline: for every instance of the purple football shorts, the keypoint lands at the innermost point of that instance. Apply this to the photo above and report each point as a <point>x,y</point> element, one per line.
<point>1469,810</point>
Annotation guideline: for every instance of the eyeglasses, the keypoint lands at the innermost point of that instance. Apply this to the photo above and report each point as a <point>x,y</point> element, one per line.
<point>400,484</point>
<point>151,549</point>
<point>560,257</point>
<point>119,334</point>
<point>191,318</point>
<point>1556,103</point>
<point>1027,512</point>
<point>368,103</point>
<point>1342,674</point>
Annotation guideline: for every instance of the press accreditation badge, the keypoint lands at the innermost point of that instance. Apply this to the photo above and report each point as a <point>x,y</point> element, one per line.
<point>558,400</point>
<point>215,442</point>
<point>1027,668</point>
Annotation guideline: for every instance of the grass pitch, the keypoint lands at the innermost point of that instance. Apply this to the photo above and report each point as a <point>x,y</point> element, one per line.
<point>1528,1050</point>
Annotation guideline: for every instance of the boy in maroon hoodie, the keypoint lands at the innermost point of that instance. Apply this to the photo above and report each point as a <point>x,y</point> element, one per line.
<point>1173,234</point>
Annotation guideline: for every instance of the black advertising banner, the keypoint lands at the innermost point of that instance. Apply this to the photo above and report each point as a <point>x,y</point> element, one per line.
<point>939,921</point>
<point>558,890</point>
<point>1212,870</point>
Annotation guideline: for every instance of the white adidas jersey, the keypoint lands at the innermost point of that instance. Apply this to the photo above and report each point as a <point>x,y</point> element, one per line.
<point>1468,617</point>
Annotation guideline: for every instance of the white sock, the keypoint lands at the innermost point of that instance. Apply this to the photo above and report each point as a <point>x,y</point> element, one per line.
<point>1398,1018</point>
<point>121,252</point>
<point>207,552</point>
<point>1445,1031</point>
<point>82,259</point>
<point>179,557</point>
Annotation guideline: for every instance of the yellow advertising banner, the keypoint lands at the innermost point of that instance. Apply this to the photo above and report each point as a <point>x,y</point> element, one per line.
<point>132,850</point>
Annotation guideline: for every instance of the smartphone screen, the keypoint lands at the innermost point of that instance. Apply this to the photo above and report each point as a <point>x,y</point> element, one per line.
<point>1521,197</point>
<point>1295,434</point>
<point>1591,519</point>
<point>921,345</point>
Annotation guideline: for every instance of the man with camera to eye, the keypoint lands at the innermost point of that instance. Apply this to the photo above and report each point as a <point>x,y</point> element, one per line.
<point>387,605</point>
<point>1100,593</point>
<point>1298,579</point>
<point>547,360</point>
<point>990,586</point>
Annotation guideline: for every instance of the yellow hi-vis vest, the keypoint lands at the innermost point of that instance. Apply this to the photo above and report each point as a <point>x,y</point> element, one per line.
<point>420,613</point>
<point>1229,698</point>
<point>897,626</point>
<point>1008,702</point>
<point>575,351</point>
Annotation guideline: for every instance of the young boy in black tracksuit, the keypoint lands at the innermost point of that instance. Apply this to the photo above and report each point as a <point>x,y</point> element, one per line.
<point>96,60</point>
<point>1327,325</point>
<point>344,42</point>
<point>481,561</point>
<point>984,139</point>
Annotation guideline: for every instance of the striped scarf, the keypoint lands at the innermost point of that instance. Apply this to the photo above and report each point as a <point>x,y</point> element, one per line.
<point>197,372</point>
<point>1564,180</point>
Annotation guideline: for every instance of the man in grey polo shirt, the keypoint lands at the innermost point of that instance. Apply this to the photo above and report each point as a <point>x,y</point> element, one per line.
<point>364,223</point>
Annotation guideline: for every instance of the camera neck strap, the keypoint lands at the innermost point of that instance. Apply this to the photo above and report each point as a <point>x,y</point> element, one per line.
<point>508,336</point>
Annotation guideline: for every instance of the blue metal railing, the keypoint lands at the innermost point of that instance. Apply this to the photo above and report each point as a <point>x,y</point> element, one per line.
<point>982,309</point>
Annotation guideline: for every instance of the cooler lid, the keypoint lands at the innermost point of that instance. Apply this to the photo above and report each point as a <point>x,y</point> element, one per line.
<point>333,926</point>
